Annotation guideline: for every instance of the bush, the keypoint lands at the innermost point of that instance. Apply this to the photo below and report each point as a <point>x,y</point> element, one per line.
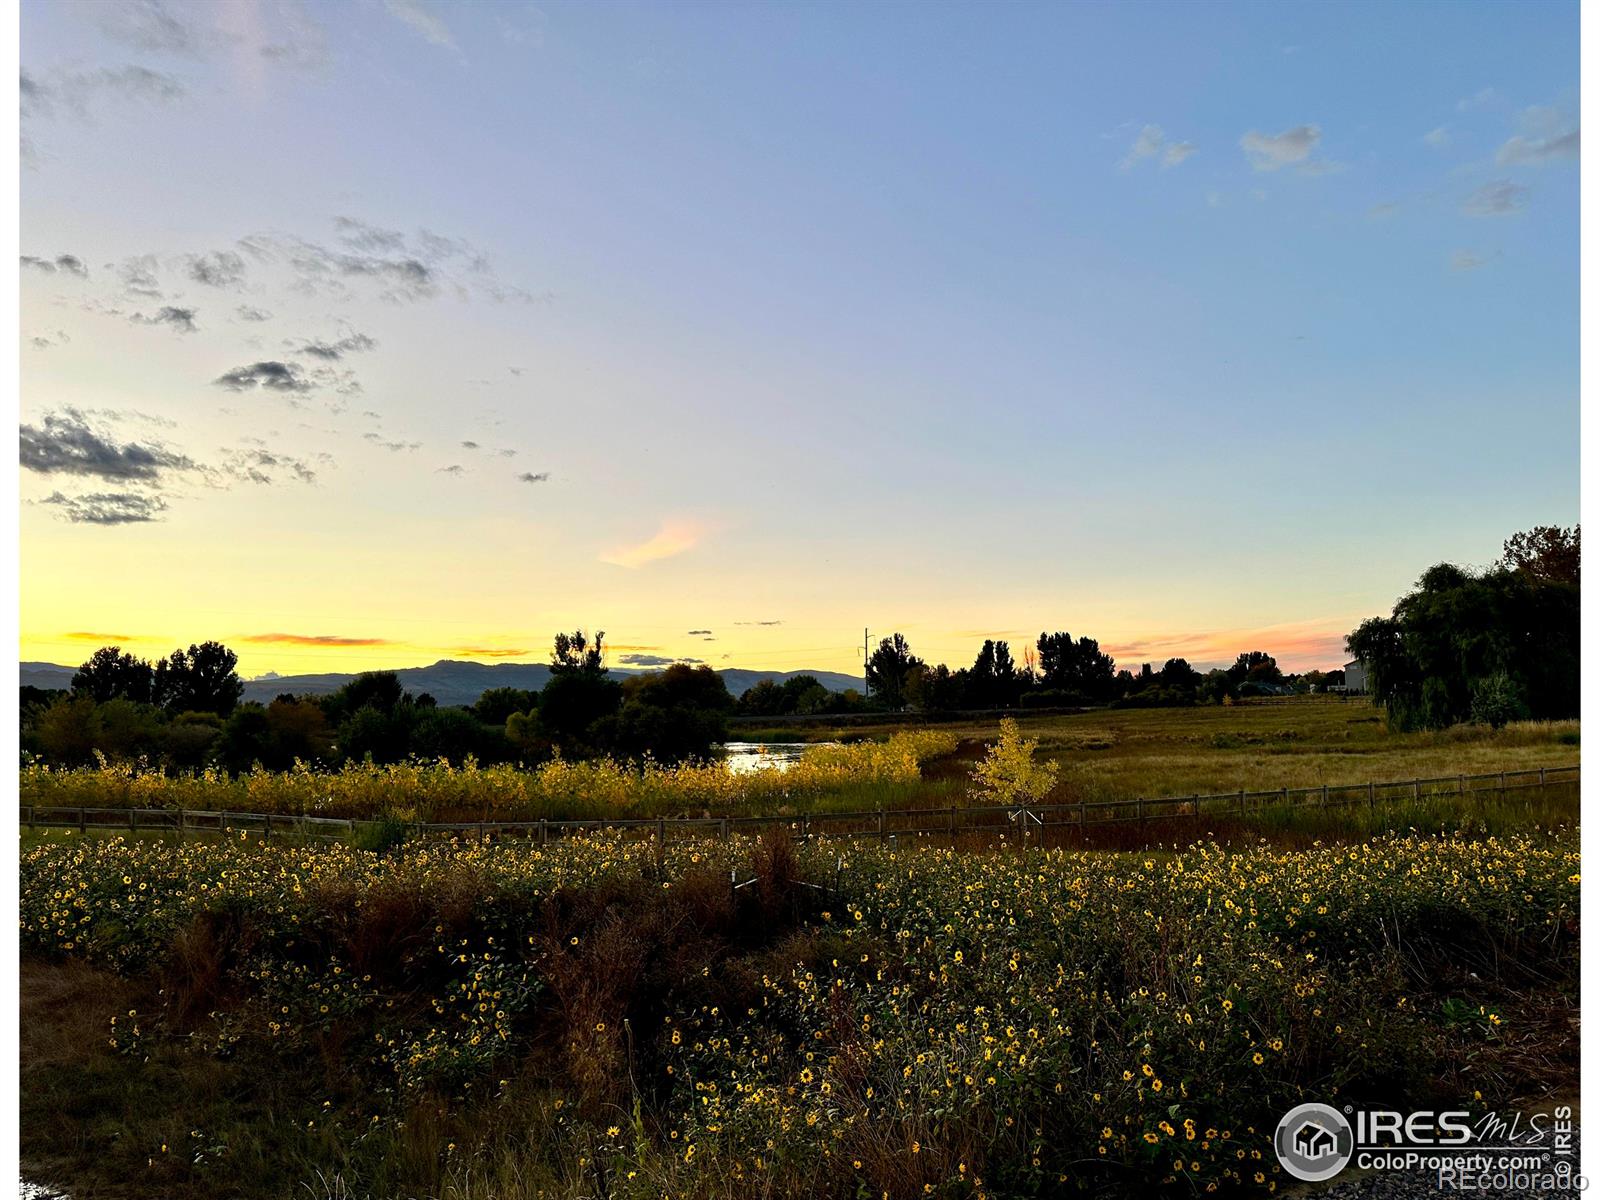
<point>1497,701</point>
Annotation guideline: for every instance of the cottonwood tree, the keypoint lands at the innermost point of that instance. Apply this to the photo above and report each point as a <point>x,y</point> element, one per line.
<point>1548,553</point>
<point>202,678</point>
<point>889,670</point>
<point>113,674</point>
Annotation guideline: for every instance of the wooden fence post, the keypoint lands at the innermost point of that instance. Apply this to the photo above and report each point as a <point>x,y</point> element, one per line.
<point>83,821</point>
<point>1461,785</point>
<point>544,832</point>
<point>661,847</point>
<point>952,824</point>
<point>1541,776</point>
<point>1416,791</point>
<point>133,820</point>
<point>883,825</point>
<point>1324,795</point>
<point>1241,803</point>
<point>1371,798</point>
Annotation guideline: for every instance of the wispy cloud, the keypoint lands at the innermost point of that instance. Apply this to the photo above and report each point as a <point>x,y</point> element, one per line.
<point>673,539</point>
<point>1545,138</point>
<point>1274,151</point>
<point>1467,260</point>
<point>77,92</point>
<point>492,651</point>
<point>1152,142</point>
<point>1437,138</point>
<point>312,639</point>
<point>83,635</point>
<point>423,20</point>
<point>1501,198</point>
<point>534,477</point>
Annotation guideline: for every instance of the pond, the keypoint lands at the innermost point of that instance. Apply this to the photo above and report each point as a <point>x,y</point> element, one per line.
<point>746,757</point>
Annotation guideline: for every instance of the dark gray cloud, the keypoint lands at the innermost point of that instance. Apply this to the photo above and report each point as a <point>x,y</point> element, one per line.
<point>534,477</point>
<point>469,445</point>
<point>506,453</point>
<point>108,508</point>
<point>65,443</point>
<point>218,268</point>
<point>275,376</point>
<point>656,660</point>
<point>699,633</point>
<point>246,313</point>
<point>1500,198</point>
<point>181,319</point>
<point>333,351</point>
<point>69,263</point>
<point>452,469</point>
<point>758,622</point>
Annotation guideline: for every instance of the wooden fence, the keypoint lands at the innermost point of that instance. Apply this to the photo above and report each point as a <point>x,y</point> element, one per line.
<point>883,824</point>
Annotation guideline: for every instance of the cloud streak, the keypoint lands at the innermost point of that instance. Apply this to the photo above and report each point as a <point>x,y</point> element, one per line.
<point>311,639</point>
<point>108,508</point>
<point>673,538</point>
<point>1500,198</point>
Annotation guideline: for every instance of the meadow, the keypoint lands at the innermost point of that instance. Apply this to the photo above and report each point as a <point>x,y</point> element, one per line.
<point>1108,754</point>
<point>760,1018</point>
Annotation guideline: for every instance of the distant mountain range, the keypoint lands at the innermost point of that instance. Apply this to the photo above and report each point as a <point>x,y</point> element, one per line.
<point>448,681</point>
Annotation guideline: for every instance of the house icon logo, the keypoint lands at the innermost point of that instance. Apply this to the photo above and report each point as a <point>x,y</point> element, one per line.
<point>1314,1142</point>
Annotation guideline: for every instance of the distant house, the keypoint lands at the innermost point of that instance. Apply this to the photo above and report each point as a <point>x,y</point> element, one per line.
<point>1355,678</point>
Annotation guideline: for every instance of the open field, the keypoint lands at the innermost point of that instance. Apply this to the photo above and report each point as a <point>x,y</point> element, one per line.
<point>506,1021</point>
<point>1301,741</point>
<point>1104,755</point>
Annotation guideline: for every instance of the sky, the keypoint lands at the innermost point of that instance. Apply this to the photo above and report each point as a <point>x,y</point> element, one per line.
<point>367,334</point>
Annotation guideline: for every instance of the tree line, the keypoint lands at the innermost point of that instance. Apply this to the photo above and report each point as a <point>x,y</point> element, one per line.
<point>1061,671</point>
<point>1489,646</point>
<point>185,712</point>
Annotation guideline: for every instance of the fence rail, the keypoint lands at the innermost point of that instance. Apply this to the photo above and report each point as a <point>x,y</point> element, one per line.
<point>882,823</point>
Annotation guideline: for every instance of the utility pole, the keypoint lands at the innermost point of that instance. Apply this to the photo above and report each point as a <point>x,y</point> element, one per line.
<point>866,657</point>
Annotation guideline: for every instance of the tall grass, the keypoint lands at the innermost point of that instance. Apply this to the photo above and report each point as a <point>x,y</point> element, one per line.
<point>867,774</point>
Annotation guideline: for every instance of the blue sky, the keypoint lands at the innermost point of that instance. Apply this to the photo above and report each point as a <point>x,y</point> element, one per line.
<point>1179,325</point>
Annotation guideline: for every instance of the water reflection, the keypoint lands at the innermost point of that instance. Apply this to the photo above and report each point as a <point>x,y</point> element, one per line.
<point>743,758</point>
